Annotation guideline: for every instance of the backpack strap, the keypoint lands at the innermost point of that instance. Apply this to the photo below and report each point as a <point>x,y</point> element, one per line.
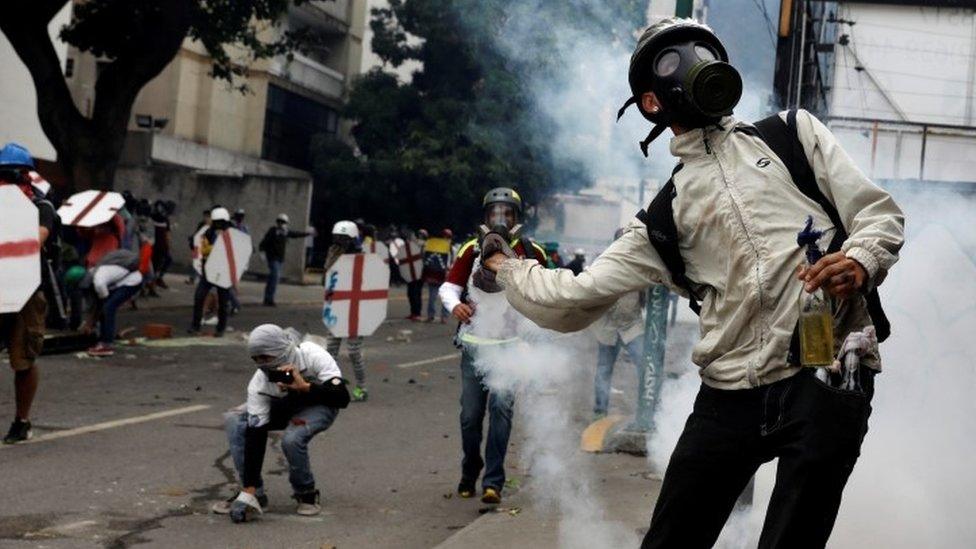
<point>663,234</point>
<point>783,139</point>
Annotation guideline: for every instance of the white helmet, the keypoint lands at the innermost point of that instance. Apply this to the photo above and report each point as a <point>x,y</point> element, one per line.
<point>283,217</point>
<point>219,214</point>
<point>347,228</point>
<point>579,251</point>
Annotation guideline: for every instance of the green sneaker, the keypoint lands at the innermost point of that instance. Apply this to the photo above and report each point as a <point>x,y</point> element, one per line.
<point>360,394</point>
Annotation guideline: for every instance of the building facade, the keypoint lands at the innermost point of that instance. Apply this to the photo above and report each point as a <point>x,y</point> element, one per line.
<point>287,100</point>
<point>893,79</point>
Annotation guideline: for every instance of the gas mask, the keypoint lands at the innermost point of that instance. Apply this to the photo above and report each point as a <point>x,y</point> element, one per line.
<point>500,219</point>
<point>687,68</point>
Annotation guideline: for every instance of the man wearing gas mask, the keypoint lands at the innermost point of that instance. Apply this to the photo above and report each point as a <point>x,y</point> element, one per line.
<point>467,284</point>
<point>723,232</point>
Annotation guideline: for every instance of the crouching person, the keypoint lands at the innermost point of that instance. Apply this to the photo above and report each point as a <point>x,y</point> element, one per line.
<point>298,389</point>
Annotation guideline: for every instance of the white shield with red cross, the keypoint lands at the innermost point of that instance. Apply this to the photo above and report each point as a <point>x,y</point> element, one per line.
<point>20,249</point>
<point>196,255</point>
<point>410,258</point>
<point>228,258</point>
<point>356,292</point>
<point>378,248</point>
<point>90,208</point>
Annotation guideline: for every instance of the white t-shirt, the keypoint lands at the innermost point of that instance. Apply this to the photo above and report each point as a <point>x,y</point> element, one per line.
<point>110,277</point>
<point>319,366</point>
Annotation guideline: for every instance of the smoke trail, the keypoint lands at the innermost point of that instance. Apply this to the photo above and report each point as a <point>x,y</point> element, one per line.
<point>543,369</point>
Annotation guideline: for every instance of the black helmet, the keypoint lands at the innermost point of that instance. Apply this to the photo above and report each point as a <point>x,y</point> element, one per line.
<point>503,195</point>
<point>686,66</point>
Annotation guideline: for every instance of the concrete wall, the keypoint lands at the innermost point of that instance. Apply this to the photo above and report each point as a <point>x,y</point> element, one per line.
<point>262,197</point>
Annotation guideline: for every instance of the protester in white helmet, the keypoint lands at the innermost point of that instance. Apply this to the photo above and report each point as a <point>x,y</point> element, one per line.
<point>345,240</point>
<point>273,245</point>
<point>578,261</point>
<point>298,389</point>
<point>219,222</point>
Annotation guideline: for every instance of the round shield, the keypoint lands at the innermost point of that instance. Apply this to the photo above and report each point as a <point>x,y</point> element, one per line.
<point>90,208</point>
<point>228,258</point>
<point>20,250</point>
<point>356,294</point>
<point>410,259</point>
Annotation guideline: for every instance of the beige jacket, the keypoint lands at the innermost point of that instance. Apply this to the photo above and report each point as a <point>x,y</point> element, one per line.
<point>624,321</point>
<point>737,217</point>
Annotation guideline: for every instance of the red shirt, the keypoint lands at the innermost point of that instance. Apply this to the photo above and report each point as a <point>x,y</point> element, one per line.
<point>461,270</point>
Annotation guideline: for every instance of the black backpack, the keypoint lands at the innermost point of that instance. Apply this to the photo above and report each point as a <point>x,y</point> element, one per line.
<point>782,138</point>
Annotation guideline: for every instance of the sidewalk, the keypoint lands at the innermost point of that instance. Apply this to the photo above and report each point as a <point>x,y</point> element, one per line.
<point>626,492</point>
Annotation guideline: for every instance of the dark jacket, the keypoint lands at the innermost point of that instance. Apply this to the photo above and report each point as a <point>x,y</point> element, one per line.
<point>274,241</point>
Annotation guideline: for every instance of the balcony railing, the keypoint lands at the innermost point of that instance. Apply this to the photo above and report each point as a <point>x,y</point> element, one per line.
<point>310,74</point>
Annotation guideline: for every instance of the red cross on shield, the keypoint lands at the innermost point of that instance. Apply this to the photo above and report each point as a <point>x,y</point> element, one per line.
<point>356,294</point>
<point>411,257</point>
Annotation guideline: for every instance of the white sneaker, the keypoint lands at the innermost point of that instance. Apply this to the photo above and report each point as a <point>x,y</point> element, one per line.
<point>223,507</point>
<point>308,504</point>
<point>210,321</point>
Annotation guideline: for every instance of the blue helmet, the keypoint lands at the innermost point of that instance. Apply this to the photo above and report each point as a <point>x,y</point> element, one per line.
<point>15,156</point>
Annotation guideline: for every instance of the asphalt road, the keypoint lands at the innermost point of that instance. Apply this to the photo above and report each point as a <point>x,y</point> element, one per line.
<point>387,468</point>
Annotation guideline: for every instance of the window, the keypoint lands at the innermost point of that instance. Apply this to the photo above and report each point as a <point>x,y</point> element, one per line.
<point>290,122</point>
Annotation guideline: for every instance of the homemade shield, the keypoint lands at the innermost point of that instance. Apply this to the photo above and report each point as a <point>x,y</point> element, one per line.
<point>90,208</point>
<point>228,258</point>
<point>410,258</point>
<point>356,293</point>
<point>20,250</point>
<point>378,248</point>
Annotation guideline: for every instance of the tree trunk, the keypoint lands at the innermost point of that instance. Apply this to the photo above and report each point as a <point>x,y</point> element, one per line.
<point>89,149</point>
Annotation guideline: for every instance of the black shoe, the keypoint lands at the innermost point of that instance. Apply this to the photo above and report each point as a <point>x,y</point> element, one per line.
<point>466,489</point>
<point>270,304</point>
<point>19,432</point>
<point>193,331</point>
<point>219,333</point>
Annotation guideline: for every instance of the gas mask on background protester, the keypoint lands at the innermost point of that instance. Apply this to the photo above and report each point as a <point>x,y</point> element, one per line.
<point>686,66</point>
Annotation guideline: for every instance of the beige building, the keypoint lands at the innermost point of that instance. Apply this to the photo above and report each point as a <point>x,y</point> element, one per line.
<point>209,124</point>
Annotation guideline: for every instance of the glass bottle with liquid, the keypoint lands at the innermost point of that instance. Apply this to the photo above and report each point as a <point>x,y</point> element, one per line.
<point>816,319</point>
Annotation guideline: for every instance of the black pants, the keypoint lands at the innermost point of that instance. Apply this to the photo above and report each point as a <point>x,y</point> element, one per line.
<point>815,430</point>
<point>223,295</point>
<point>415,291</point>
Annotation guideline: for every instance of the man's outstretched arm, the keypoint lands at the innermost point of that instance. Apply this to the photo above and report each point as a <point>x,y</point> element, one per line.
<point>557,300</point>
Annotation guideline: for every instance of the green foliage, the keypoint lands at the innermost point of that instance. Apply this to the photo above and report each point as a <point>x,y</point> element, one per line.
<point>467,121</point>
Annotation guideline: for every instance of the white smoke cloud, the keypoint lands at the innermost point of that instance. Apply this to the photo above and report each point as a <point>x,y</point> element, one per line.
<point>544,370</point>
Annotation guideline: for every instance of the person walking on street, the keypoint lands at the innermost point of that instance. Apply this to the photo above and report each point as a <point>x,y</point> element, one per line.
<point>22,333</point>
<point>437,260</point>
<point>345,240</point>
<point>621,326</point>
<point>115,280</point>
<point>273,245</point>
<point>502,211</point>
<point>219,222</point>
<point>415,288</point>
<point>163,245</point>
<point>723,232</point>
<point>298,389</point>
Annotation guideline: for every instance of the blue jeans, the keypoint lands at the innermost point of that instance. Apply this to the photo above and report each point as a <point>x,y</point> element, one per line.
<point>294,443</point>
<point>274,273</point>
<point>116,298</point>
<point>432,298</point>
<point>475,400</point>
<point>606,357</point>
